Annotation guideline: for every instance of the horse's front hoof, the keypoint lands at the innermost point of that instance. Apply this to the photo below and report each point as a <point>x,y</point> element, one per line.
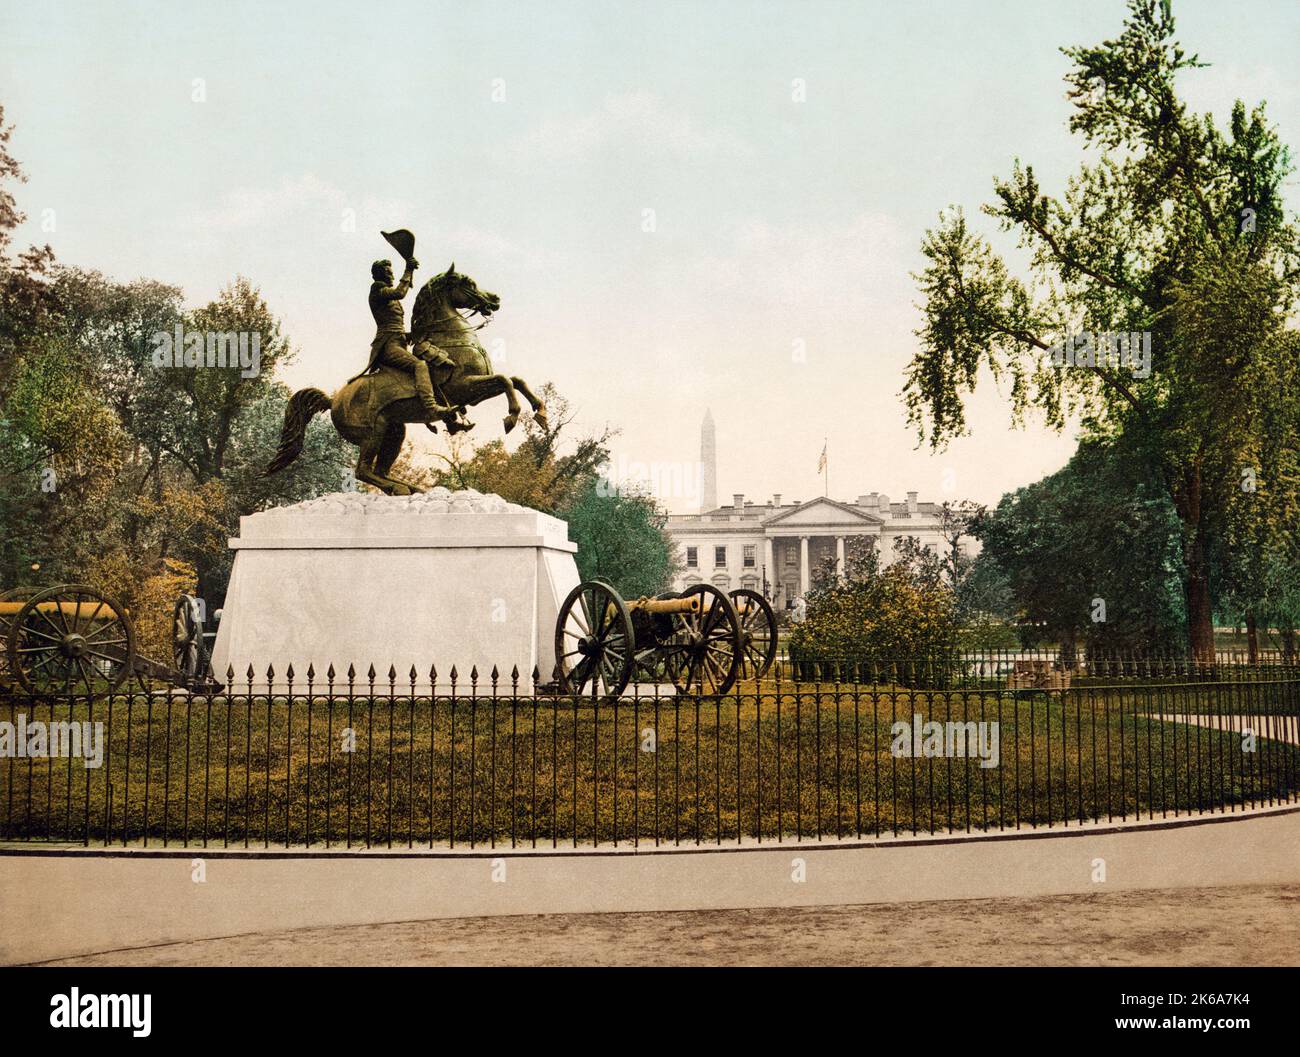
<point>539,416</point>
<point>510,421</point>
<point>399,489</point>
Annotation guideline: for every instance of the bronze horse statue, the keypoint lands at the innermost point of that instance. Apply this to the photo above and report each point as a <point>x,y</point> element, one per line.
<point>372,410</point>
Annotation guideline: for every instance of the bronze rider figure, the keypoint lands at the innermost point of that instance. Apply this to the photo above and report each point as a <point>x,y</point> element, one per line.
<point>389,345</point>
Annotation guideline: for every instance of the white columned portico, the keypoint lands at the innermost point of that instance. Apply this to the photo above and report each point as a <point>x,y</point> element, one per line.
<point>804,580</point>
<point>839,555</point>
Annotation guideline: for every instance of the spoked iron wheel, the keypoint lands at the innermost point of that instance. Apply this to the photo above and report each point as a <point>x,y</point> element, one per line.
<point>594,641</point>
<point>71,640</point>
<point>757,632</point>
<point>11,602</point>
<point>189,651</point>
<point>703,656</point>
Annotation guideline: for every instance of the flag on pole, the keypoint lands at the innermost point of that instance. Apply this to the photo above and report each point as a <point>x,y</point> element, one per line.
<point>821,463</point>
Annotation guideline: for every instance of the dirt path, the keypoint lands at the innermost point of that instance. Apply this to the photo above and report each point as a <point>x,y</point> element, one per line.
<point>1215,926</point>
<point>1278,728</point>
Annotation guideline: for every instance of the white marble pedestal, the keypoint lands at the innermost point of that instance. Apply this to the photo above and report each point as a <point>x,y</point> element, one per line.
<point>444,578</point>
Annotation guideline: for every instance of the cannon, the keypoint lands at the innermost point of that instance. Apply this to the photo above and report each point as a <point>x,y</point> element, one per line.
<point>700,640</point>
<point>75,639</point>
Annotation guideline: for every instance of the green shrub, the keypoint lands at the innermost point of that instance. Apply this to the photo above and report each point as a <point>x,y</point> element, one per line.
<point>880,616</point>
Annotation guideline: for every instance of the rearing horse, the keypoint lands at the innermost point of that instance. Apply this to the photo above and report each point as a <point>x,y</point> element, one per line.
<point>372,411</point>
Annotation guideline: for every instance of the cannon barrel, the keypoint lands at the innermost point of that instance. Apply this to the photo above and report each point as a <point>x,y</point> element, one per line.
<point>77,610</point>
<point>690,604</point>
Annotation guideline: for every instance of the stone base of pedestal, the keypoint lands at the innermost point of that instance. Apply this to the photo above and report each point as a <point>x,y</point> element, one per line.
<point>439,580</point>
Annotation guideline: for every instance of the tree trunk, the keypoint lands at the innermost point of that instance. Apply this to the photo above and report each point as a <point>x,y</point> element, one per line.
<point>1196,567</point>
<point>1069,649</point>
<point>1252,639</point>
<point>1200,613</point>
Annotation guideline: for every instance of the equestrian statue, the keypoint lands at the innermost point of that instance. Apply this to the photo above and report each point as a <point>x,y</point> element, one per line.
<point>430,374</point>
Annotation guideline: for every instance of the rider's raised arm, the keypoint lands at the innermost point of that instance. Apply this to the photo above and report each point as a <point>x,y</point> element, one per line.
<point>396,293</point>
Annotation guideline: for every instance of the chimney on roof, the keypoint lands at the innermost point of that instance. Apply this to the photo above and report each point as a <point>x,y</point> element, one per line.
<point>911,502</point>
<point>738,500</point>
<point>776,499</point>
<point>865,500</point>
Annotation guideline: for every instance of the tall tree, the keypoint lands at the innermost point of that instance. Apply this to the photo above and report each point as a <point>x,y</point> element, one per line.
<point>25,304</point>
<point>622,538</point>
<point>956,524</point>
<point>1170,228</point>
<point>1090,553</point>
<point>27,318</point>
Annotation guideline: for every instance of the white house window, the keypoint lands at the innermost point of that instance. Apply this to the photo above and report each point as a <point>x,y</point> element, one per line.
<point>692,557</point>
<point>791,558</point>
<point>751,555</point>
<point>720,557</point>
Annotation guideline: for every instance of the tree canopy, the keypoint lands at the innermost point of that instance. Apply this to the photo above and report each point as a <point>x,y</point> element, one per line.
<point>115,470</point>
<point>1173,229</point>
<point>1090,554</point>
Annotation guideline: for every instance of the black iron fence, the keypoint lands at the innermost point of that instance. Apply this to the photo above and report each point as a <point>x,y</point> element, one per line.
<point>366,760</point>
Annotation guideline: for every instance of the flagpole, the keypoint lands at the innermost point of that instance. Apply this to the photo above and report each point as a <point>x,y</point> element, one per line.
<point>826,485</point>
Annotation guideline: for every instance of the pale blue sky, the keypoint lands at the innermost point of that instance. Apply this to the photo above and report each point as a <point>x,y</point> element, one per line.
<point>776,221</point>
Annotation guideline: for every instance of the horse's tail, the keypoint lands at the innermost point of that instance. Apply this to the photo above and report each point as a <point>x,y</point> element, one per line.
<point>303,405</point>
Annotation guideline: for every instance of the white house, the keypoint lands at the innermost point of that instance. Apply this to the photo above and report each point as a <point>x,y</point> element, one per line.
<point>775,547</point>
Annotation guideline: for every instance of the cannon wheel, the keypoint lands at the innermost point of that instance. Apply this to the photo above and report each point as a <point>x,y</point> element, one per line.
<point>189,652</point>
<point>704,655</point>
<point>758,639</point>
<point>19,595</point>
<point>71,640</point>
<point>594,641</point>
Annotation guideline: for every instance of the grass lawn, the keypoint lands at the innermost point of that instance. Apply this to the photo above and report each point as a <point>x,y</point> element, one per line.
<point>815,761</point>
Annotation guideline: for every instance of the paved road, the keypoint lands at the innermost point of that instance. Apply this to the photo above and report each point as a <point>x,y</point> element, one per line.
<point>1215,926</point>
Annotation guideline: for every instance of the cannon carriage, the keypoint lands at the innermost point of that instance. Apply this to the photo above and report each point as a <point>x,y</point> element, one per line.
<point>700,640</point>
<point>75,639</point>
